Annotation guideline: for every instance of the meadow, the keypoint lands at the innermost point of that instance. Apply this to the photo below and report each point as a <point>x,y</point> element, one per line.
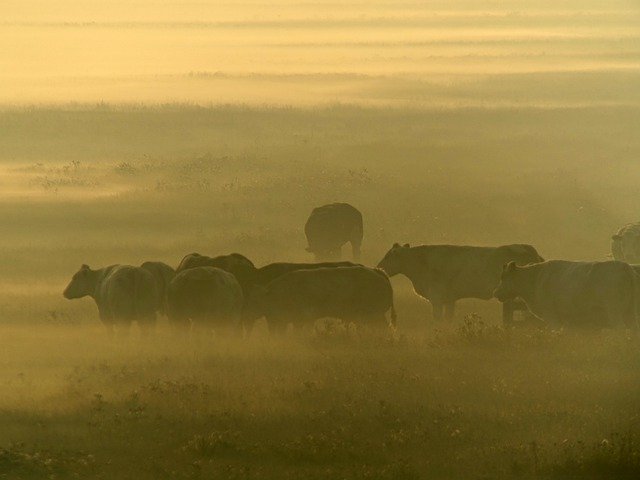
<point>106,184</point>
<point>150,129</point>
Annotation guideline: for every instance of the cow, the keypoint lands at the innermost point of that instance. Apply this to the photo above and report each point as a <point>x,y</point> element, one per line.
<point>329,227</point>
<point>123,294</point>
<point>443,274</point>
<point>205,297</point>
<point>561,292</point>
<point>270,272</point>
<point>355,294</point>
<point>240,266</point>
<point>625,244</point>
<point>163,274</point>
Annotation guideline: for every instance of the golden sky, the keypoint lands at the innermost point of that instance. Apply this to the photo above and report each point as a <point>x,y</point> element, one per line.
<point>299,52</point>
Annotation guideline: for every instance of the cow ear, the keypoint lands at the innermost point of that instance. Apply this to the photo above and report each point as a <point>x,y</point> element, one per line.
<point>84,267</point>
<point>396,245</point>
<point>406,245</point>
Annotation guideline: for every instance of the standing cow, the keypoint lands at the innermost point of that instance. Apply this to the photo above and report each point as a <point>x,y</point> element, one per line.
<point>163,274</point>
<point>603,294</point>
<point>240,266</point>
<point>625,244</point>
<point>122,293</point>
<point>444,274</point>
<point>270,272</point>
<point>331,226</point>
<point>353,294</point>
<point>205,297</point>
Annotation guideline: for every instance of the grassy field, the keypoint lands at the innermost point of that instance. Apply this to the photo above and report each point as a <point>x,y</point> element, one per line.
<point>104,184</point>
<point>468,402</point>
<point>150,129</point>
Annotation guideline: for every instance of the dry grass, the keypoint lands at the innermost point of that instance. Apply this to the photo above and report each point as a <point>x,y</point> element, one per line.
<point>448,405</point>
<point>461,400</point>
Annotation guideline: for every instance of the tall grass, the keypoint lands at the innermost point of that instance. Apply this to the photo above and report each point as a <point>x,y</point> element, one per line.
<point>105,184</point>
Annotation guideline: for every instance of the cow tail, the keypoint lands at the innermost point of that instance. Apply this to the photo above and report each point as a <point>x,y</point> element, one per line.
<point>635,327</point>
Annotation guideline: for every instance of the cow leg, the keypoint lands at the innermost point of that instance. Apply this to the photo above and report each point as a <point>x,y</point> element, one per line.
<point>237,327</point>
<point>110,330</point>
<point>179,325</point>
<point>107,321</point>
<point>508,308</point>
<point>123,327</point>
<point>375,322</point>
<point>247,327</point>
<point>276,326</point>
<point>438,308</point>
<point>625,318</point>
<point>381,325</point>
<point>355,248</point>
<point>229,327</point>
<point>449,310</point>
<point>201,328</point>
<point>147,325</point>
<point>323,255</point>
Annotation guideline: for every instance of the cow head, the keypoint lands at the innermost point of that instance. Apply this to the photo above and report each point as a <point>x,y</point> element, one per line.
<point>396,258</point>
<point>82,284</point>
<point>507,288</point>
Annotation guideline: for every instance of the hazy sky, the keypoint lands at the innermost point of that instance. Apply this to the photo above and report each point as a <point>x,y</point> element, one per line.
<point>296,52</point>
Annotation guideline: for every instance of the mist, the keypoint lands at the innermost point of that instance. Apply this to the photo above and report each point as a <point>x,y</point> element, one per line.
<point>148,130</point>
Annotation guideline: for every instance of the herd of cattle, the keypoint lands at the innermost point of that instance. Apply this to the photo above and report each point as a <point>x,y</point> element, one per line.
<point>229,292</point>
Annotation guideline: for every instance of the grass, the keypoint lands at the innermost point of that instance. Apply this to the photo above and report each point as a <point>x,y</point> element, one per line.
<point>118,184</point>
<point>478,123</point>
<point>534,405</point>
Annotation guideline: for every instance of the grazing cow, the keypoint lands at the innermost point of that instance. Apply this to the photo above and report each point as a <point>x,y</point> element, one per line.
<point>331,226</point>
<point>240,266</point>
<point>122,293</point>
<point>163,274</point>
<point>603,294</point>
<point>205,297</point>
<point>353,294</point>
<point>625,245</point>
<point>270,272</point>
<point>443,274</point>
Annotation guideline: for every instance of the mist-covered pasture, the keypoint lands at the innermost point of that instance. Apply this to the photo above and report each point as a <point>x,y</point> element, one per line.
<point>147,130</point>
<point>104,185</point>
<point>462,402</point>
<point>123,184</point>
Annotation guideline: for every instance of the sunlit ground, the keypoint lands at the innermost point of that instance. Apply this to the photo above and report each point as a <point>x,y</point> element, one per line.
<point>146,130</point>
<point>461,402</point>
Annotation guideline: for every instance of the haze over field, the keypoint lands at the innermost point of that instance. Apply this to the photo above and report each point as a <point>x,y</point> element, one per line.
<point>400,53</point>
<point>146,130</point>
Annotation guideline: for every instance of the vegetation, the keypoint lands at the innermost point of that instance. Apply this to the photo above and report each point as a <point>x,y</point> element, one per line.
<point>459,400</point>
<point>528,405</point>
<point>146,130</point>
